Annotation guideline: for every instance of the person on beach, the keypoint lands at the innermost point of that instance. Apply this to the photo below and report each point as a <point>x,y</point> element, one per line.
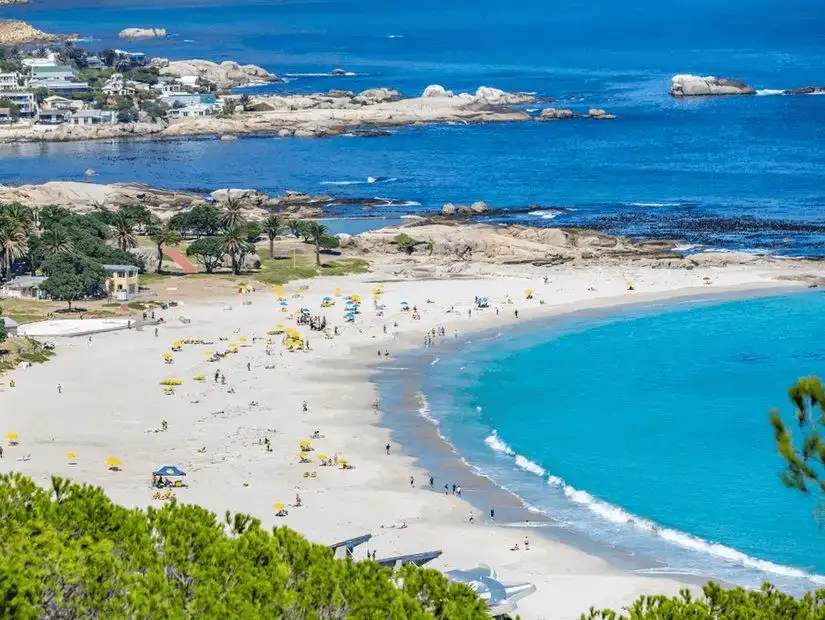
<point>248,366</point>
<point>59,389</point>
<point>472,518</point>
<point>156,332</point>
<point>458,490</point>
<point>496,311</point>
<point>1,452</point>
<point>304,406</point>
<point>217,375</point>
<point>223,379</point>
<point>516,311</point>
<point>526,544</point>
<point>388,449</point>
<point>412,481</point>
<point>431,482</point>
<point>446,489</point>
<point>453,489</point>
<point>492,513</point>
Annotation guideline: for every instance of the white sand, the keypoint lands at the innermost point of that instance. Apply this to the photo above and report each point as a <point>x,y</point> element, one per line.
<point>111,397</point>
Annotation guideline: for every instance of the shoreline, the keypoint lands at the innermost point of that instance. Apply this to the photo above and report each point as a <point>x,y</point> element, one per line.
<point>335,377</point>
<point>433,452</point>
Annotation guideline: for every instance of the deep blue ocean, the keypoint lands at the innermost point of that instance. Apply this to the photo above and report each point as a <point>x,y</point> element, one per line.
<point>646,430</point>
<point>741,173</point>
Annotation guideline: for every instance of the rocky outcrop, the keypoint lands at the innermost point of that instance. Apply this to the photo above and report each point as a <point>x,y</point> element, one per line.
<point>142,33</point>
<point>246,196</point>
<point>556,114</point>
<point>805,90</point>
<point>694,86</point>
<point>477,208</point>
<point>16,32</point>
<point>70,133</point>
<point>225,75</point>
<point>436,90</point>
<point>373,96</point>
<point>508,244</point>
<point>562,114</point>
<point>338,71</point>
<point>484,95</point>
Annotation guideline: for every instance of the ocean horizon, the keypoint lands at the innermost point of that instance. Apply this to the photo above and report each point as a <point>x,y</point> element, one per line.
<point>733,173</point>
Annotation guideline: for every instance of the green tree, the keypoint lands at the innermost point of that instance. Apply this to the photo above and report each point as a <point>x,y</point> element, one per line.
<point>234,213</point>
<point>208,250</point>
<point>124,231</point>
<point>162,234</point>
<point>15,226</point>
<point>234,245</point>
<point>245,100</point>
<point>253,232</point>
<point>271,227</point>
<point>55,240</point>
<point>405,243</point>
<point>13,108</point>
<point>296,227</point>
<point>3,333</point>
<point>316,232</point>
<point>40,94</point>
<point>202,220</point>
<point>72,277</point>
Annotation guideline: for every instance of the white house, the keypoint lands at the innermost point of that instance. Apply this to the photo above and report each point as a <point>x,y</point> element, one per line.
<point>13,81</point>
<point>115,86</point>
<point>49,60</point>
<point>198,109</point>
<point>56,102</point>
<point>25,101</point>
<point>93,117</point>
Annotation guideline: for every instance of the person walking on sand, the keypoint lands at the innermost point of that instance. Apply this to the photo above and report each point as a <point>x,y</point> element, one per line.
<point>453,489</point>
<point>516,312</point>
<point>217,375</point>
<point>526,544</point>
<point>472,518</point>
<point>458,490</point>
<point>59,389</point>
<point>431,482</point>
<point>446,489</point>
<point>156,332</point>
<point>388,449</point>
<point>492,513</point>
<point>248,366</point>
<point>1,452</point>
<point>412,481</point>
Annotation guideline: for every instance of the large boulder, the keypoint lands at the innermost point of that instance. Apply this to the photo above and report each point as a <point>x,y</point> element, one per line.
<point>494,96</point>
<point>436,90</point>
<point>225,75</point>
<point>686,85</point>
<point>249,196</point>
<point>371,96</point>
<point>805,90</point>
<point>142,33</point>
<point>449,209</point>
<point>555,114</point>
<point>478,207</point>
<point>600,114</point>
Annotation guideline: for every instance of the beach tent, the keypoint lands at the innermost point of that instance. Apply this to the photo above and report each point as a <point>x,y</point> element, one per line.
<point>113,462</point>
<point>12,436</point>
<point>169,470</point>
<point>278,507</point>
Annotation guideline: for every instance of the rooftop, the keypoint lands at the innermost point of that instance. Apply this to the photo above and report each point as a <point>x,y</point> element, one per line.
<point>118,267</point>
<point>52,70</point>
<point>24,281</point>
<point>9,322</point>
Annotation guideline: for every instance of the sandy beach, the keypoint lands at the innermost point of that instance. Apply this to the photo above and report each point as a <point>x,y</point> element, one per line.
<point>111,403</point>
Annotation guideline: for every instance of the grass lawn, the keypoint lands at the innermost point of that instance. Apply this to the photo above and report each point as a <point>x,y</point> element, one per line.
<point>151,278</point>
<point>282,270</point>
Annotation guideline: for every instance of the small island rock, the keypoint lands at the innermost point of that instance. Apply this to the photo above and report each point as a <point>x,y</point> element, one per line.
<point>142,33</point>
<point>685,85</point>
<point>436,90</point>
<point>555,114</point>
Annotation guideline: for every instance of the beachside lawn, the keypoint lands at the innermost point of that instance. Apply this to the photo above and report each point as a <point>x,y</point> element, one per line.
<point>282,270</point>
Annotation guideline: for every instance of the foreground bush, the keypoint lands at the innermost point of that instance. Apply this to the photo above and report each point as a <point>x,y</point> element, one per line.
<point>70,552</point>
<point>721,604</point>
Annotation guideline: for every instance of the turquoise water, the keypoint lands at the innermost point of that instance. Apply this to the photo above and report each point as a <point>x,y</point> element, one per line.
<point>647,430</point>
<point>740,172</point>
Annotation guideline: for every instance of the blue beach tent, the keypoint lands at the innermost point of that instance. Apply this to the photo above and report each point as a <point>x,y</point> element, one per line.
<point>169,470</point>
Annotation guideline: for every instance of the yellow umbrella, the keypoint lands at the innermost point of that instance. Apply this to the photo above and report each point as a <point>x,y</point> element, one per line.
<point>241,339</point>
<point>209,353</point>
<point>303,443</point>
<point>112,461</point>
<point>528,291</point>
<point>71,455</point>
<point>278,506</point>
<point>12,436</point>
<point>167,356</point>
<point>322,457</point>
<point>342,461</point>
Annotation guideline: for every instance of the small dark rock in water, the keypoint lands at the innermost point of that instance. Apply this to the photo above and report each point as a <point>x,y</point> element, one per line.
<point>370,133</point>
<point>805,90</point>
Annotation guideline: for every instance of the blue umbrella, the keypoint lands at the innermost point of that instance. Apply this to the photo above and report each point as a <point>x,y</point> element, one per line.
<point>404,303</point>
<point>304,309</point>
<point>327,299</point>
<point>169,470</point>
<point>283,303</point>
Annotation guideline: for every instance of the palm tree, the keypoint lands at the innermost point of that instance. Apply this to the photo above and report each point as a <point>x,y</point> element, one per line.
<point>233,213</point>
<point>56,240</point>
<point>234,244</point>
<point>271,227</point>
<point>20,214</point>
<point>316,232</point>
<point>13,244</point>
<point>124,232</point>
<point>295,227</point>
<point>162,233</point>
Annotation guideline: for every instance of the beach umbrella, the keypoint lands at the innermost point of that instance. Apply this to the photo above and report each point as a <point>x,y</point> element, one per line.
<point>71,455</point>
<point>404,303</point>
<point>209,353</point>
<point>327,299</point>
<point>322,457</point>
<point>283,303</point>
<point>169,470</point>
<point>279,326</point>
<point>241,339</point>
<point>528,292</point>
<point>12,436</point>
<point>278,507</point>
<point>112,462</point>
<point>303,442</point>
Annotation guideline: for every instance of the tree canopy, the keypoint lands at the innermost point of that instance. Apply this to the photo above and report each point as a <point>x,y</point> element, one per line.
<point>72,277</point>
<point>70,552</point>
<point>208,250</point>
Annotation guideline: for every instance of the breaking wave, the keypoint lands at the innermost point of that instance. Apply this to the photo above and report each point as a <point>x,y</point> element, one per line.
<point>652,204</point>
<point>300,75</point>
<point>769,91</point>
<point>547,214</point>
<point>618,516</point>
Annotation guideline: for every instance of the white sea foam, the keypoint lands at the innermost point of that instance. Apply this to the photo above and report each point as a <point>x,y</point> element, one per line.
<point>424,409</point>
<point>300,75</point>
<point>685,247</point>
<point>342,182</point>
<point>769,91</point>
<point>618,516</point>
<point>653,204</point>
<point>528,465</point>
<point>381,179</point>
<point>395,36</point>
<point>497,445</point>
<point>546,214</point>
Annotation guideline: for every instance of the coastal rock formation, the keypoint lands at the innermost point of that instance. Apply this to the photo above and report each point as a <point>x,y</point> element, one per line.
<point>247,196</point>
<point>436,90</point>
<point>69,133</point>
<point>477,208</point>
<point>225,75</point>
<point>686,85</point>
<point>372,96</point>
<point>805,90</point>
<point>561,114</point>
<point>556,114</point>
<point>508,245</point>
<point>16,32</point>
<point>142,33</point>
<point>496,97</point>
<point>338,71</point>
